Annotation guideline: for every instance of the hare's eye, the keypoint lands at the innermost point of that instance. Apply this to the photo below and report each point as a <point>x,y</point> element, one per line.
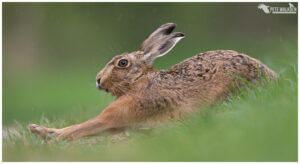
<point>123,63</point>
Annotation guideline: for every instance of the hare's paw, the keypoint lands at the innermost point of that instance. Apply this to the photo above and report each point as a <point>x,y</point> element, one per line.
<point>43,132</point>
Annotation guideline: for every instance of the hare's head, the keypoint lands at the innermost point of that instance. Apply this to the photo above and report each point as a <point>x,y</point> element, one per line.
<point>123,70</point>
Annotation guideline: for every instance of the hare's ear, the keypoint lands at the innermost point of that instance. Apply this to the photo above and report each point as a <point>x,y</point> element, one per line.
<point>160,42</point>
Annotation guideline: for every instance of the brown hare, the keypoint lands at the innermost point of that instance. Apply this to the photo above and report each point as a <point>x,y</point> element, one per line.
<point>147,96</point>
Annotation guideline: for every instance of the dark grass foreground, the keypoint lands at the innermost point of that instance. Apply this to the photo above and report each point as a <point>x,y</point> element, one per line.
<point>258,125</point>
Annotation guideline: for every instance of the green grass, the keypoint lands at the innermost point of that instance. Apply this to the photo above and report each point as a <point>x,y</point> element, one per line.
<point>257,125</point>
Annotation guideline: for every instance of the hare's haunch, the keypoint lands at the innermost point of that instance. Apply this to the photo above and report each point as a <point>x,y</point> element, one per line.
<point>146,96</point>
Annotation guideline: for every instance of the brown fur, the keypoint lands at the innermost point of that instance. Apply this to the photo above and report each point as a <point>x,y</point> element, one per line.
<point>147,96</point>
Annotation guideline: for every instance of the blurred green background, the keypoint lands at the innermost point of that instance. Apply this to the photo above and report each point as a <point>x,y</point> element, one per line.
<point>53,51</point>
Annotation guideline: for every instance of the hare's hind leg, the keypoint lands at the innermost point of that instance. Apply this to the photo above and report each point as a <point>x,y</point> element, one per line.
<point>115,118</point>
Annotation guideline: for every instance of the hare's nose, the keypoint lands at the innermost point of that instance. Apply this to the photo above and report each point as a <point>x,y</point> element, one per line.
<point>98,83</point>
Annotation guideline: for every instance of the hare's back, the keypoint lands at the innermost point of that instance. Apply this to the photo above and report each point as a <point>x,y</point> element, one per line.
<point>220,64</point>
<point>232,62</point>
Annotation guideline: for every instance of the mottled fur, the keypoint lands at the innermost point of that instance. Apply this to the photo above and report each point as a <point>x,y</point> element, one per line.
<point>146,96</point>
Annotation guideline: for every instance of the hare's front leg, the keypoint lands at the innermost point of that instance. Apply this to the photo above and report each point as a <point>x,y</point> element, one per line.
<point>70,133</point>
<point>115,118</point>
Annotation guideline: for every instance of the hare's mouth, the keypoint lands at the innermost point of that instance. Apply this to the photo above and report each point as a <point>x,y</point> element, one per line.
<point>100,88</point>
<point>106,90</point>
